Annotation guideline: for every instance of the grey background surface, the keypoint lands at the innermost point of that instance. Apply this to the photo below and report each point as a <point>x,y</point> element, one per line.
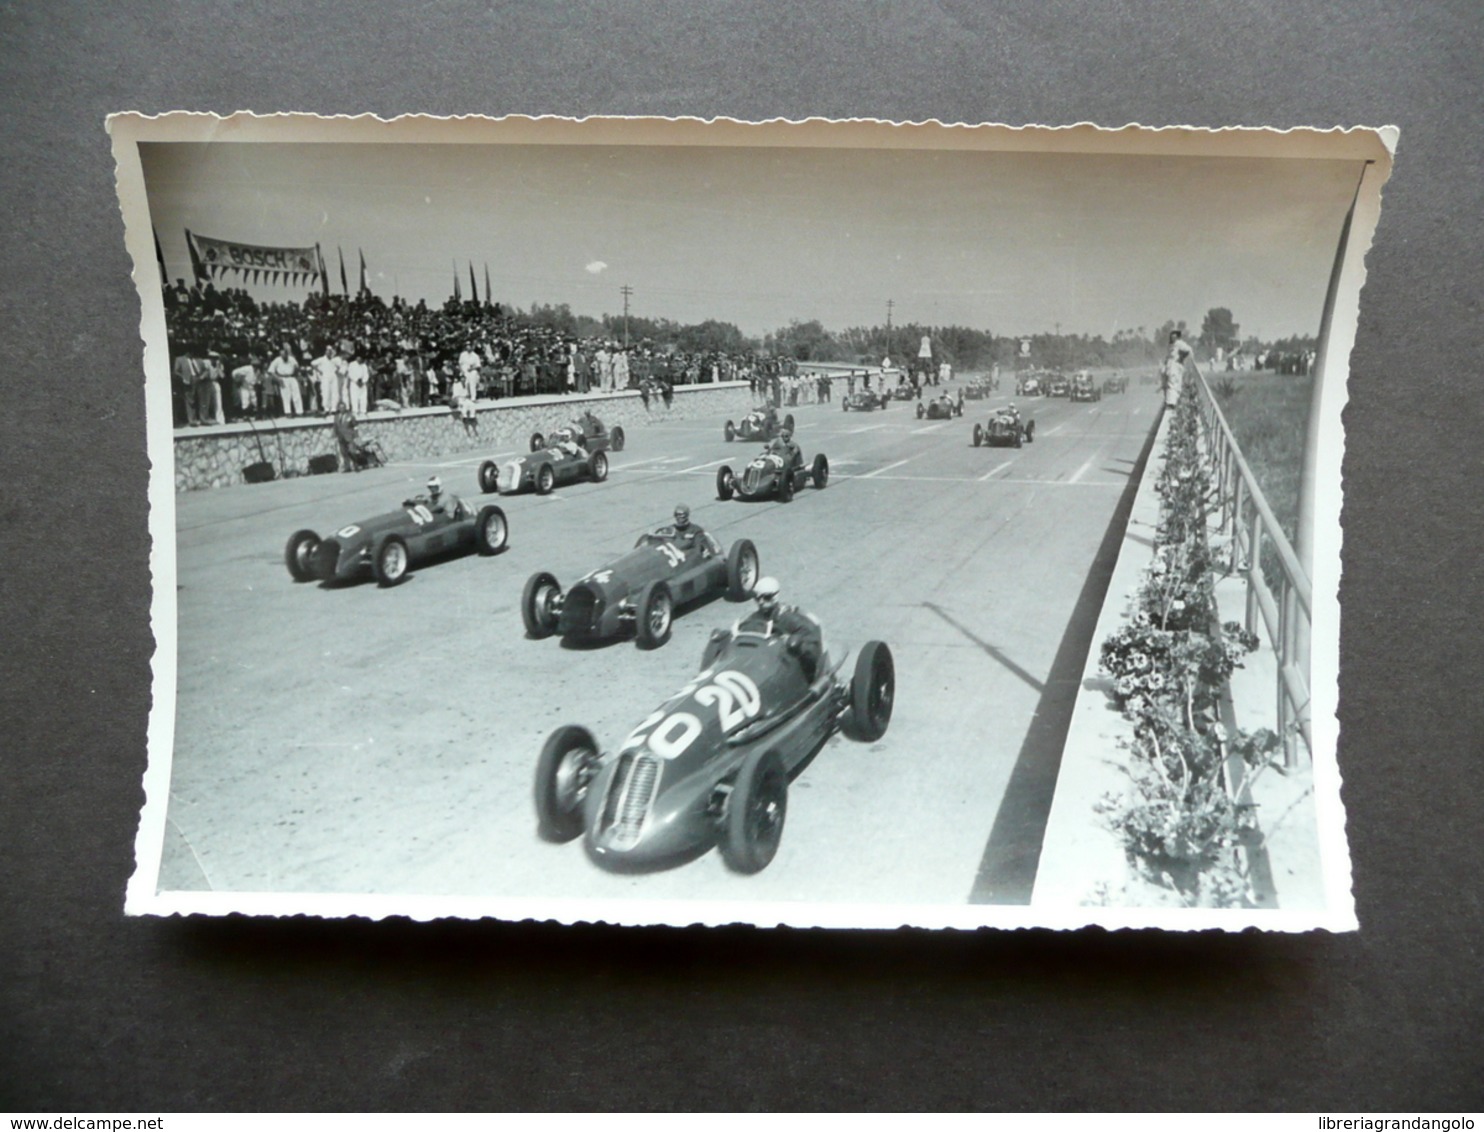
<point>99,1012</point>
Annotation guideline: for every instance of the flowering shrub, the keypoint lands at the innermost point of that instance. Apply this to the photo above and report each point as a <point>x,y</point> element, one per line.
<point>1169,662</point>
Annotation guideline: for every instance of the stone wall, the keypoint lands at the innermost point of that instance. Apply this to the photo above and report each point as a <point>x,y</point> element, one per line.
<point>215,456</point>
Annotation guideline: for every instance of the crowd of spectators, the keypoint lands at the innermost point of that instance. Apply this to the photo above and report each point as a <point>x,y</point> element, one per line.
<point>234,357</point>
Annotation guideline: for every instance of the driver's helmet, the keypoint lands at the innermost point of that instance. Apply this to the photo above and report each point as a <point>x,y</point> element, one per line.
<point>435,488</point>
<point>682,517</point>
<point>785,434</point>
<point>766,594</point>
<point>561,436</point>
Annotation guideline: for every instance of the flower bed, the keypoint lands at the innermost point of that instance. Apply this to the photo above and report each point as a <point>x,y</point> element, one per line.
<point>1182,819</point>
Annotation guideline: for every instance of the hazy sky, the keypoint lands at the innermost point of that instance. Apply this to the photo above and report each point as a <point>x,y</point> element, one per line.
<point>1012,243</point>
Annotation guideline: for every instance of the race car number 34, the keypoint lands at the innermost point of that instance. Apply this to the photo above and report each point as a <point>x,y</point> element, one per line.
<point>733,694</point>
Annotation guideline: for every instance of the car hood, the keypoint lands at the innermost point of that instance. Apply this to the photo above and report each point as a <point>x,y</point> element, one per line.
<point>631,571</point>
<point>397,522</point>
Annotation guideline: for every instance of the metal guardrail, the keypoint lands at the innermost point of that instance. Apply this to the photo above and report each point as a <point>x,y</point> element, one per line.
<point>1286,611</point>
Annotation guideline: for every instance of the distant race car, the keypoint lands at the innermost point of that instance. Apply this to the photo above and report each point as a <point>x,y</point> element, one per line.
<point>711,766</point>
<point>387,546</point>
<point>585,431</point>
<point>640,590</point>
<point>1084,388</point>
<point>1005,430</point>
<point>904,391</point>
<point>1057,385</point>
<point>1028,385</point>
<point>1118,384</point>
<point>940,408</point>
<point>757,425</point>
<point>563,463</point>
<point>864,401</point>
<point>772,474</point>
<point>980,388</point>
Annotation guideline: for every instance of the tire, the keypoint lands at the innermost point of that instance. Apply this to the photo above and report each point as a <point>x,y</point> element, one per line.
<point>536,605</point>
<point>978,436</point>
<point>616,438</point>
<point>298,555</point>
<point>844,408</point>
<point>788,422</point>
<point>921,412</point>
<point>725,481</point>
<point>820,473</point>
<point>753,824</point>
<point>545,479</point>
<point>389,560</point>
<point>566,767</point>
<point>786,486</point>
<point>872,691</point>
<point>730,432</point>
<point>656,616</point>
<point>1018,436</point>
<point>599,466</point>
<point>489,477</point>
<point>1030,432</point>
<point>491,530</point>
<point>743,570</point>
<point>538,442</point>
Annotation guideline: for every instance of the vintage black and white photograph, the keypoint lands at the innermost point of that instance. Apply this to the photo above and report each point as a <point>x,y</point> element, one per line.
<point>837,524</point>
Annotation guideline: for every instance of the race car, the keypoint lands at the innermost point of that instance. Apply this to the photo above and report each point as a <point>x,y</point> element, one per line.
<point>1028,385</point>
<point>760,424</point>
<point>864,401</point>
<point>940,408</point>
<point>1084,388</point>
<point>388,545</point>
<point>904,391</point>
<point>1057,385</point>
<point>711,767</point>
<point>1005,429</point>
<point>585,431</point>
<point>639,591</point>
<point>1116,384</point>
<point>772,474</point>
<point>563,463</point>
<point>979,388</point>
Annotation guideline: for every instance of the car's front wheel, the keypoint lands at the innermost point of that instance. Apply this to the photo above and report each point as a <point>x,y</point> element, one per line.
<point>489,477</point>
<point>820,473</point>
<point>600,466</point>
<point>616,438</point>
<point>729,431</point>
<point>545,479</point>
<point>298,555</point>
<point>566,768</point>
<point>656,614</point>
<point>872,690</point>
<point>725,482</point>
<point>978,436</point>
<point>491,530</point>
<point>389,560</point>
<point>742,570</point>
<point>753,823</point>
<point>538,605</point>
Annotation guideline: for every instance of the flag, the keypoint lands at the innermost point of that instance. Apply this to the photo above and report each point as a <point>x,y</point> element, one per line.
<point>324,272</point>
<point>363,288</point>
<point>473,286</point>
<point>160,258</point>
<point>488,298</point>
<point>344,286</point>
<point>198,270</point>
<point>458,296</point>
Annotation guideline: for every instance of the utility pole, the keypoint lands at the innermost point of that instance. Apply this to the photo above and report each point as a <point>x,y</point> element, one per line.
<point>626,291</point>
<point>889,305</point>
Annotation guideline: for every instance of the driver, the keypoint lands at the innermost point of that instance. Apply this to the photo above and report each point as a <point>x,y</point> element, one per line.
<point>783,445</point>
<point>564,443</point>
<point>685,534</point>
<point>804,634</point>
<point>436,501</point>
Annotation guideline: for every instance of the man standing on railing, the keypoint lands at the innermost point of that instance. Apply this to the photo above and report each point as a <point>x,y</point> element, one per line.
<point>1173,372</point>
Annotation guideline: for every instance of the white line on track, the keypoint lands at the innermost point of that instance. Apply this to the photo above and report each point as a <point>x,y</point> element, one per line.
<point>885,468</point>
<point>1082,471</point>
<point>992,471</point>
<point>1054,431</point>
<point>929,428</point>
<point>864,428</point>
<point>1008,481</point>
<point>698,467</point>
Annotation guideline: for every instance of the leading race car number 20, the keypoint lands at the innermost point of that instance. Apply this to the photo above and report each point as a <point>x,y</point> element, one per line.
<point>735,697</point>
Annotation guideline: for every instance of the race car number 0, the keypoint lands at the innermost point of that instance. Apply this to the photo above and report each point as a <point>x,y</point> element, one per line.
<point>420,514</point>
<point>735,697</point>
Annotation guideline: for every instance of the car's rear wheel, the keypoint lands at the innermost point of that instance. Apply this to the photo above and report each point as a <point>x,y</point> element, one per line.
<point>539,605</point>
<point>489,477</point>
<point>615,438</point>
<point>820,473</point>
<point>656,614</point>
<point>491,530</point>
<point>389,560</point>
<point>729,431</point>
<point>752,825</point>
<point>545,479</point>
<point>566,768</point>
<point>872,690</point>
<point>725,482</point>
<point>1030,432</point>
<point>600,466</point>
<point>786,485</point>
<point>921,412</point>
<point>742,570</point>
<point>978,436</point>
<point>538,442</point>
<point>298,555</point>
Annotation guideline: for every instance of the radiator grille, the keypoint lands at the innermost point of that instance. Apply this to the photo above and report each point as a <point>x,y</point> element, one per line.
<point>634,795</point>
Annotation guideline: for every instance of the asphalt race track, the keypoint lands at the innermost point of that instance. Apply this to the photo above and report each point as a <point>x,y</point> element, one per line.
<point>355,739</point>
